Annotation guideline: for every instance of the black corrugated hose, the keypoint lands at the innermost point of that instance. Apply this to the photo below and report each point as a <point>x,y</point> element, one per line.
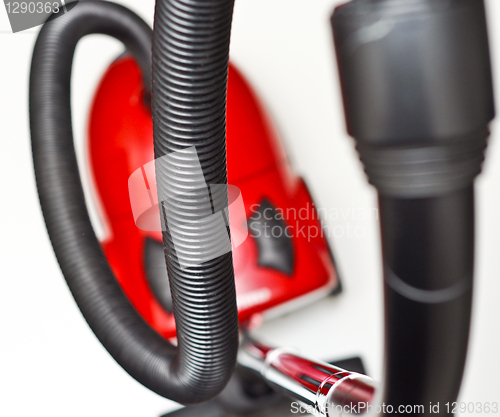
<point>190,55</point>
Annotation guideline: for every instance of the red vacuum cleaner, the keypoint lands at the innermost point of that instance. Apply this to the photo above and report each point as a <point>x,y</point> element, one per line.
<point>274,267</point>
<point>190,264</point>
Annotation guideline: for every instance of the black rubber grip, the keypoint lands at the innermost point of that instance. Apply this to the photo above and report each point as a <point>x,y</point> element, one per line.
<point>200,366</point>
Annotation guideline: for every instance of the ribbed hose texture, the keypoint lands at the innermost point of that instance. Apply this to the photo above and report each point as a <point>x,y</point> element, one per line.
<point>190,373</point>
<point>190,67</point>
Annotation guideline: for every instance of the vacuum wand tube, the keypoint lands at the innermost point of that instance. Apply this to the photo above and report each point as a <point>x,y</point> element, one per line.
<point>321,388</point>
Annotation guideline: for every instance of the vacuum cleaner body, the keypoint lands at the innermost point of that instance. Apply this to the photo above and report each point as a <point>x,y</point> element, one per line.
<point>284,262</point>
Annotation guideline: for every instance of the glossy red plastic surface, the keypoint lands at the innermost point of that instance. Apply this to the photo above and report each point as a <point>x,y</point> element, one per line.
<point>121,141</point>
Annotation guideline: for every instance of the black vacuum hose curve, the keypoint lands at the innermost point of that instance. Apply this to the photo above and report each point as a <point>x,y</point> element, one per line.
<point>204,297</point>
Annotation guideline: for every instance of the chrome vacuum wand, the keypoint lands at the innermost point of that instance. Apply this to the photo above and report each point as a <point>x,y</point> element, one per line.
<point>321,388</point>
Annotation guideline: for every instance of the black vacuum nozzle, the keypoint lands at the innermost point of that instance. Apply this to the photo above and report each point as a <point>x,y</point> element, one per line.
<point>416,73</point>
<point>418,99</point>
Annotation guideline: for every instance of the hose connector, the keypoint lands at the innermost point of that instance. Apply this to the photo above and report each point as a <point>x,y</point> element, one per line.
<point>417,90</point>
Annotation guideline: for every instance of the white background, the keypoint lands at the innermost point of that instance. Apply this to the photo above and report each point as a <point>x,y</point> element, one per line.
<point>50,362</point>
